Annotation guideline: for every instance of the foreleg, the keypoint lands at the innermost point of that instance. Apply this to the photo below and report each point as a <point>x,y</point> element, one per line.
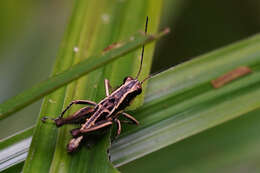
<point>118,123</point>
<point>131,118</point>
<point>118,127</point>
<point>107,87</point>
<point>77,118</point>
<point>77,102</point>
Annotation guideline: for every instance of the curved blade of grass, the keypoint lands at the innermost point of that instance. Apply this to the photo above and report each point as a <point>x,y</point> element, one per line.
<point>86,66</point>
<point>15,168</point>
<point>48,149</point>
<point>14,149</point>
<point>230,147</point>
<point>188,104</point>
<point>180,102</point>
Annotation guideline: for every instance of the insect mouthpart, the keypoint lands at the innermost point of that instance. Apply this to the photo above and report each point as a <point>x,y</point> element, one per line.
<point>138,89</point>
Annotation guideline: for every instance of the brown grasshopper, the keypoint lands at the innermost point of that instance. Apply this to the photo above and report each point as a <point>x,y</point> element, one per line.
<point>103,114</point>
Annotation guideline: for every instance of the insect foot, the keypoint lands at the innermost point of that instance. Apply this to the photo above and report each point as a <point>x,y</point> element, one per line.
<point>44,119</point>
<point>47,120</point>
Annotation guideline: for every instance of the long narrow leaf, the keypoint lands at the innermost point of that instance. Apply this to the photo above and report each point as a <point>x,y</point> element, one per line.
<point>14,149</point>
<point>181,102</point>
<point>92,33</point>
<point>36,92</point>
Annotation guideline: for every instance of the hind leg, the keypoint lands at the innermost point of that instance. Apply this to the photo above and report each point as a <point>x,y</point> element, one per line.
<point>131,118</point>
<point>78,134</point>
<point>107,87</point>
<point>97,126</point>
<point>69,106</point>
<point>74,144</point>
<point>77,118</point>
<point>85,102</point>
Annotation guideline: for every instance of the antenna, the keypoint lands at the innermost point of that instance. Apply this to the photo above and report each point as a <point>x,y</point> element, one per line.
<point>151,75</point>
<point>148,77</point>
<point>142,54</point>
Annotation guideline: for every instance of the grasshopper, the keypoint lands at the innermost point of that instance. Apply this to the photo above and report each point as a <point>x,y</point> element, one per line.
<point>101,115</point>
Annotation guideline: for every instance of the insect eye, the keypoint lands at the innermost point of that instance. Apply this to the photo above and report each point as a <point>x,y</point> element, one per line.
<point>128,78</point>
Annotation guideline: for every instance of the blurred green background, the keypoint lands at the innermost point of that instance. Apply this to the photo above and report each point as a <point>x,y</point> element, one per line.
<point>31,32</point>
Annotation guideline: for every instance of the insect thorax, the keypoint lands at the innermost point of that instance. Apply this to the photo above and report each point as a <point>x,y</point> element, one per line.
<point>122,97</point>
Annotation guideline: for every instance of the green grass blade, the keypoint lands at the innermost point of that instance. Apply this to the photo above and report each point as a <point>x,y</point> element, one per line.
<point>48,149</point>
<point>181,102</point>
<point>230,147</point>
<point>14,149</point>
<point>15,168</point>
<point>36,92</point>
